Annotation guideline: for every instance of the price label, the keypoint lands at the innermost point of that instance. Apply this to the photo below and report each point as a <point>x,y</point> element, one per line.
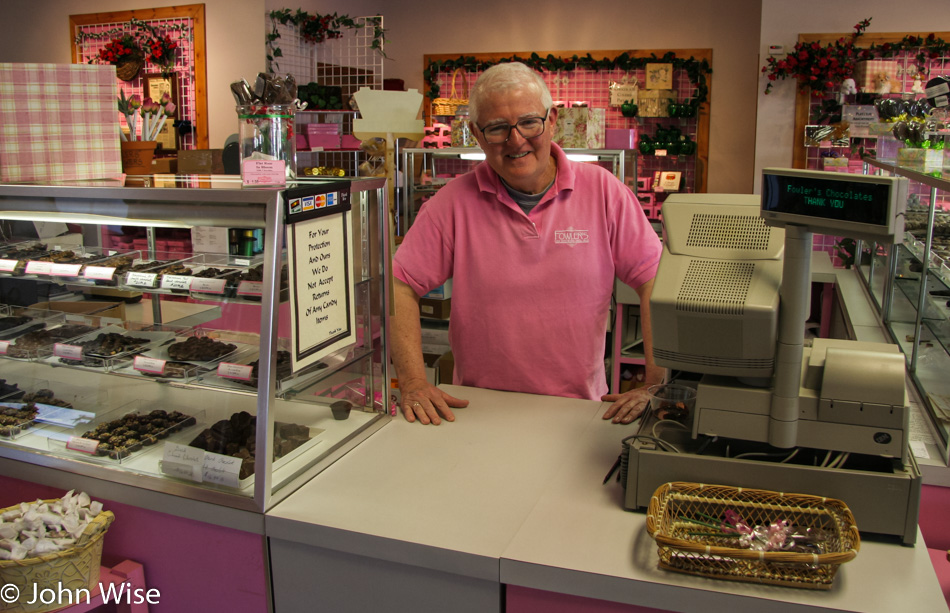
<point>4,346</point>
<point>70,352</point>
<point>65,270</point>
<point>264,172</point>
<point>38,268</point>
<point>176,282</point>
<point>183,461</point>
<point>145,364</point>
<point>242,262</point>
<point>99,272</point>
<point>208,286</point>
<point>250,288</point>
<point>85,445</point>
<point>230,370</point>
<point>8,265</point>
<point>221,469</point>
<point>141,279</point>
<point>660,153</point>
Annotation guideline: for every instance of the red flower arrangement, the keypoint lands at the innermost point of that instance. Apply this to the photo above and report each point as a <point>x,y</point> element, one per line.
<point>143,43</point>
<point>318,28</point>
<point>126,47</point>
<point>822,68</point>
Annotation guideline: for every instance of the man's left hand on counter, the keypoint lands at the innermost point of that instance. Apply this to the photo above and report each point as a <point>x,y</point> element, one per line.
<point>628,406</point>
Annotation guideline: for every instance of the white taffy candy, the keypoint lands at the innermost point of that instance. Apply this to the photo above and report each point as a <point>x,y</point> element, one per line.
<point>46,546</point>
<point>10,515</point>
<point>7,544</point>
<point>83,499</point>
<point>8,531</point>
<point>29,542</point>
<point>19,552</point>
<point>96,507</point>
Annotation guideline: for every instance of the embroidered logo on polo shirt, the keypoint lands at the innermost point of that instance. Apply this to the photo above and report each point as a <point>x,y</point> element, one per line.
<point>571,237</point>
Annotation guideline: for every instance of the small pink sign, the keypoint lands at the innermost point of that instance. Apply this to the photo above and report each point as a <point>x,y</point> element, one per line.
<point>264,172</point>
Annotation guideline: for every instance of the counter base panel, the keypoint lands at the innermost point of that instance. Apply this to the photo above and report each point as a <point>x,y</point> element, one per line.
<point>307,578</point>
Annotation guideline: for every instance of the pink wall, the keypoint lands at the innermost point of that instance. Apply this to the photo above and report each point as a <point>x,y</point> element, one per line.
<point>194,565</point>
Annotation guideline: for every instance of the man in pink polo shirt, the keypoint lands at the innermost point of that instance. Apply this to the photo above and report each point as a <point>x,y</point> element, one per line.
<point>532,242</point>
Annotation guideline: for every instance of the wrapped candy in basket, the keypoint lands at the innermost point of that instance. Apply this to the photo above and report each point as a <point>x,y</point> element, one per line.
<point>752,535</point>
<point>50,547</point>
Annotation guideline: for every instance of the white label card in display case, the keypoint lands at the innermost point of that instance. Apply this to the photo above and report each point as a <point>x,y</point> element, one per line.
<point>103,273</point>
<point>141,279</point>
<point>85,445</point>
<point>250,288</point>
<point>183,461</point>
<point>4,347</point>
<point>222,469</point>
<point>65,270</point>
<point>208,286</point>
<point>70,352</point>
<point>229,370</point>
<point>8,265</point>
<point>142,363</point>
<point>176,282</point>
<point>38,268</point>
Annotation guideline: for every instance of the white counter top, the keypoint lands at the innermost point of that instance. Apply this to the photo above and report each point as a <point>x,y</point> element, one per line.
<point>579,540</point>
<point>511,492</point>
<point>448,497</point>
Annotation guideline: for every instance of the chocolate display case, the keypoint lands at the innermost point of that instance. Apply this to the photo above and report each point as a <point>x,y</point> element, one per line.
<point>230,406</point>
<point>910,287</point>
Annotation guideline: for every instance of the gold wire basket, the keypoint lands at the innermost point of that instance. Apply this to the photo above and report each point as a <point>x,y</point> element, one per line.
<point>68,570</point>
<point>678,512</point>
<point>448,106</point>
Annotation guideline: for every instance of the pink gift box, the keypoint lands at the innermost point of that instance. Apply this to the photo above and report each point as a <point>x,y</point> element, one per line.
<point>646,200</point>
<point>620,138</point>
<point>60,122</point>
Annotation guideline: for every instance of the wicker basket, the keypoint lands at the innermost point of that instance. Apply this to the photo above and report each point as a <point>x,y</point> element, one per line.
<point>129,67</point>
<point>448,106</point>
<point>73,569</point>
<point>677,508</point>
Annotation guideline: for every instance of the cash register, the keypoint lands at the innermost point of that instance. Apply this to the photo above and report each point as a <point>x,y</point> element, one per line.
<point>826,417</point>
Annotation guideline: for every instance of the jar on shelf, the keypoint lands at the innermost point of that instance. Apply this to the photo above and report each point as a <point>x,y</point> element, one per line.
<point>461,129</point>
<point>266,132</point>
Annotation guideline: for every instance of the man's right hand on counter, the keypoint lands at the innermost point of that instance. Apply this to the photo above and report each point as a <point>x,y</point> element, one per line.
<point>424,402</point>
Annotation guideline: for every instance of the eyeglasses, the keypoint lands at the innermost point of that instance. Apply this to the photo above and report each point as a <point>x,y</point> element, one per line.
<point>529,127</point>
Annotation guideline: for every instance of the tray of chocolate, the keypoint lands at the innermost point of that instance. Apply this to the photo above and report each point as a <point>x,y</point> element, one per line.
<point>38,344</point>
<point>22,320</point>
<point>185,359</point>
<point>149,273</point>
<point>236,437</point>
<point>108,347</point>
<point>138,429</point>
<point>17,415</point>
<point>13,258</point>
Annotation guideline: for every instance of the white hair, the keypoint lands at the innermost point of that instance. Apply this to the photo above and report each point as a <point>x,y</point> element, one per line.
<point>503,77</point>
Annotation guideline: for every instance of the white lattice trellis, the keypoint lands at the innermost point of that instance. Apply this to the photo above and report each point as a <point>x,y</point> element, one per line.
<point>350,61</point>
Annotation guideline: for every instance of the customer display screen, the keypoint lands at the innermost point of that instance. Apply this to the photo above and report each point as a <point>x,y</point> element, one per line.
<point>828,198</point>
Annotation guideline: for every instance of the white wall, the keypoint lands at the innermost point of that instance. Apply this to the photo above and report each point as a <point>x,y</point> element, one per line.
<point>783,21</point>
<point>38,31</point>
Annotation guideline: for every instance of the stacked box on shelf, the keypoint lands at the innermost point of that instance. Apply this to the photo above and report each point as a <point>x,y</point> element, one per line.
<point>323,135</point>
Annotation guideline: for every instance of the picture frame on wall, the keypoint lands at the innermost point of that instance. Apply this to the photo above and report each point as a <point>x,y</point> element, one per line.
<point>154,86</point>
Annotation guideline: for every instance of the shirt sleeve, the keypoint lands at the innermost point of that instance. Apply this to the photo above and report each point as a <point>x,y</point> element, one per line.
<point>424,259</point>
<point>635,244</point>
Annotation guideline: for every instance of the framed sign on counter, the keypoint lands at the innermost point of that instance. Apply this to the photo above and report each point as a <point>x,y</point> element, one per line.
<point>320,267</point>
<point>155,87</point>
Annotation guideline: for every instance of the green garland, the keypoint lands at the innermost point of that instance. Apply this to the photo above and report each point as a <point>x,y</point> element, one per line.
<point>926,47</point>
<point>317,28</point>
<point>695,69</point>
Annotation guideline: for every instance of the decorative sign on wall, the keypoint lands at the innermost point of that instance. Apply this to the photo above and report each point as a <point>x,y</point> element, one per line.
<point>320,267</point>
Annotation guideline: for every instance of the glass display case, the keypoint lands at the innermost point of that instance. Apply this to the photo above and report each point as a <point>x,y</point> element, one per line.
<point>910,286</point>
<point>425,171</point>
<point>220,377</point>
